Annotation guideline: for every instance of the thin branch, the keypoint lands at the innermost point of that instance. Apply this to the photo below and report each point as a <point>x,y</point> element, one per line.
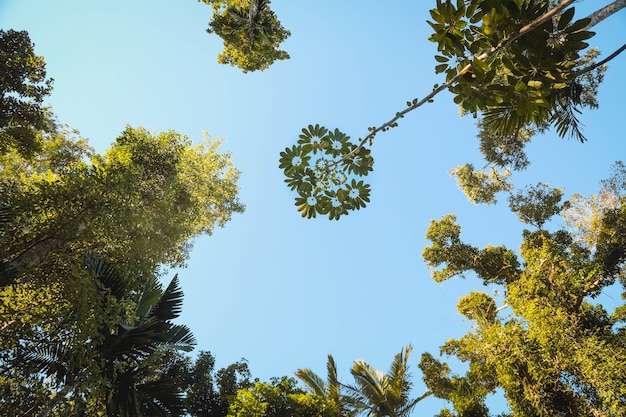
<point>502,44</point>
<point>604,61</point>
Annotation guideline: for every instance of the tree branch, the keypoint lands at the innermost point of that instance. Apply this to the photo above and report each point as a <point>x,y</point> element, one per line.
<point>601,14</point>
<point>604,61</point>
<point>558,9</point>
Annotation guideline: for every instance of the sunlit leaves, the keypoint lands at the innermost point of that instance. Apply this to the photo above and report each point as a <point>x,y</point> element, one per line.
<point>23,87</point>
<point>555,350</point>
<point>479,186</point>
<point>251,33</point>
<point>324,168</point>
<point>493,264</point>
<point>537,204</point>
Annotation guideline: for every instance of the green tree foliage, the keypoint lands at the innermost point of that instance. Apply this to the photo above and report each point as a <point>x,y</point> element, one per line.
<point>279,398</point>
<point>210,393</point>
<point>106,363</point>
<point>77,338</point>
<point>331,389</point>
<point>584,214</point>
<point>522,65</point>
<point>138,204</point>
<point>251,33</point>
<point>380,394</point>
<point>551,346</point>
<point>23,86</point>
<point>375,393</point>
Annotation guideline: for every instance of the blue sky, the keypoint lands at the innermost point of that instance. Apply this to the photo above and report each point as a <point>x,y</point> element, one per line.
<point>272,287</point>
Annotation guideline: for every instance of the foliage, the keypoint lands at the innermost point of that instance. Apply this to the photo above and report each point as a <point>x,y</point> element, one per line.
<point>251,33</point>
<point>375,393</point>
<point>77,337</point>
<point>139,204</point>
<point>279,398</point>
<point>210,393</point>
<point>381,394</point>
<point>326,182</point>
<point>555,350</point>
<point>23,86</point>
<point>520,64</point>
<point>584,214</point>
<point>102,357</point>
<point>331,389</point>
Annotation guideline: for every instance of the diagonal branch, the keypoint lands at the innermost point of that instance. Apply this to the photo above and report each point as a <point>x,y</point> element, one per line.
<point>604,61</point>
<point>558,9</point>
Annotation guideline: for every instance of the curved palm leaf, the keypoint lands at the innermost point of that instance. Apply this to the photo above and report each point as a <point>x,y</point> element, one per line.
<point>331,389</point>
<point>384,394</point>
<point>153,330</point>
<point>313,381</point>
<point>115,282</point>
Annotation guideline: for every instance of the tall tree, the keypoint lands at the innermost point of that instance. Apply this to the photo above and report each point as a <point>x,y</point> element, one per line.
<point>23,86</point>
<point>139,204</point>
<point>210,393</point>
<point>550,346</point>
<point>519,64</point>
<point>251,33</point>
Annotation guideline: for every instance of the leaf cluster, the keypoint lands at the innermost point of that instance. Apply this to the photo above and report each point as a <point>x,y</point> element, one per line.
<point>325,168</point>
<point>531,81</point>
<point>251,33</point>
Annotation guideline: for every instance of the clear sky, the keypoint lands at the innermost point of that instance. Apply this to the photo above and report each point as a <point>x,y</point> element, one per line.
<point>279,290</point>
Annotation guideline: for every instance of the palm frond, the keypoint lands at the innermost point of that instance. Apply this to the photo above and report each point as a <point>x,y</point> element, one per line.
<point>399,377</point>
<point>170,304</point>
<point>371,382</point>
<point>333,387</point>
<point>160,398</point>
<point>314,382</point>
<point>178,337</point>
<point>49,359</point>
<point>150,296</point>
<point>108,276</point>
<point>566,123</point>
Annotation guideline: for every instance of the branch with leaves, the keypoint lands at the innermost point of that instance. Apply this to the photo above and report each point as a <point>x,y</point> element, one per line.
<point>496,63</point>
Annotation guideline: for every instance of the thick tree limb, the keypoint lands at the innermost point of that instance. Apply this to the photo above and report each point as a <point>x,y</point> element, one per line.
<point>601,14</point>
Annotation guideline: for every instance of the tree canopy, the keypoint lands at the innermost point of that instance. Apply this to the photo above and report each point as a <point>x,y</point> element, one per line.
<point>251,33</point>
<point>550,345</point>
<point>83,240</point>
<point>23,86</point>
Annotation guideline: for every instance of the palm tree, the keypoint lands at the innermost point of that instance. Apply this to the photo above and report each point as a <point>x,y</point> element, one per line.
<point>130,388</point>
<point>133,393</point>
<point>382,394</point>
<point>331,389</point>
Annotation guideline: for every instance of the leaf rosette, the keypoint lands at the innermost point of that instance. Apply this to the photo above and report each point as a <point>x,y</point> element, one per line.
<point>324,168</point>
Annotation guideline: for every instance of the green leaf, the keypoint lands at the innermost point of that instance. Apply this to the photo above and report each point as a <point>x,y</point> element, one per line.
<point>565,18</point>
<point>440,68</point>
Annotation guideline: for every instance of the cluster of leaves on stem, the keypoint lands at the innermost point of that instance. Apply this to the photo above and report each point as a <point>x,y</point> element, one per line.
<point>325,168</point>
<point>533,81</point>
